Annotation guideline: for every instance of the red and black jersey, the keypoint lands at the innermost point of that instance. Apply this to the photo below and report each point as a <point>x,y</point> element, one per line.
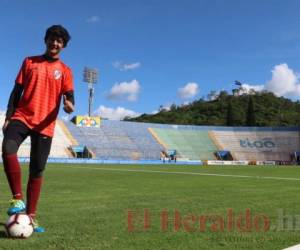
<point>44,83</point>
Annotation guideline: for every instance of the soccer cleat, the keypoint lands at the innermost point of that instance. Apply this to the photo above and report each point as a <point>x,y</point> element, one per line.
<point>16,207</point>
<point>36,227</point>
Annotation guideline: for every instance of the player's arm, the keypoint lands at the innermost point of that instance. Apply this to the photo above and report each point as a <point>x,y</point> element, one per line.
<point>69,101</point>
<point>13,102</point>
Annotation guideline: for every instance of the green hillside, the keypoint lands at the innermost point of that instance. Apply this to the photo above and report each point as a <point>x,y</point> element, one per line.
<point>257,109</point>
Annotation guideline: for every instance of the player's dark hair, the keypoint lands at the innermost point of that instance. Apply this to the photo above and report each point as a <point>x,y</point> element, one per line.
<point>58,31</point>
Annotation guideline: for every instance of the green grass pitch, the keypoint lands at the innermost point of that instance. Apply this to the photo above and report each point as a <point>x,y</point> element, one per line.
<point>163,207</point>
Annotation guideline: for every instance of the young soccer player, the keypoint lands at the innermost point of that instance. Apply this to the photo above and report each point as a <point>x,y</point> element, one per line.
<point>32,111</point>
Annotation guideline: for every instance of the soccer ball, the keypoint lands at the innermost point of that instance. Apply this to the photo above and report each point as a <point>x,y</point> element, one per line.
<point>19,226</point>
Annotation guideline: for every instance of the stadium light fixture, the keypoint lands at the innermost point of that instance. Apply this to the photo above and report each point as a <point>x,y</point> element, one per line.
<point>90,76</point>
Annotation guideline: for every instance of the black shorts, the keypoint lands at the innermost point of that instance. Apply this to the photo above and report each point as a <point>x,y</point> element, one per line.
<point>15,133</point>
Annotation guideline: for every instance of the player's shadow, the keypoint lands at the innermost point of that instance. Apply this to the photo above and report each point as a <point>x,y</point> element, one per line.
<point>2,232</point>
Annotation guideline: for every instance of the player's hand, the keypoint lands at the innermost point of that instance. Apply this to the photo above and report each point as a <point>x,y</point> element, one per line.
<point>68,106</point>
<point>5,125</point>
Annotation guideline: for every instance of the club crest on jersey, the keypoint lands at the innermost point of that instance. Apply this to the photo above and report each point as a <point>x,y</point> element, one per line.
<point>57,74</point>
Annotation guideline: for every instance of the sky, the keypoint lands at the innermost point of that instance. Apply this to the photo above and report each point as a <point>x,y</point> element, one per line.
<point>155,53</point>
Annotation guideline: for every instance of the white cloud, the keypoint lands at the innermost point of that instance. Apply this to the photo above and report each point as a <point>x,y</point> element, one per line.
<point>166,107</point>
<point>186,103</point>
<point>125,91</point>
<point>126,66</point>
<point>188,91</point>
<point>284,82</point>
<point>246,88</point>
<point>93,19</point>
<point>115,114</point>
<point>256,88</point>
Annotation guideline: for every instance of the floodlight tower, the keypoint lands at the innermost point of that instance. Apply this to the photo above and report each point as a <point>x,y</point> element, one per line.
<point>90,76</point>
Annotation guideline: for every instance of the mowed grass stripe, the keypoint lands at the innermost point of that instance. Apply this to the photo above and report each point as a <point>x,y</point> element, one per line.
<point>186,173</point>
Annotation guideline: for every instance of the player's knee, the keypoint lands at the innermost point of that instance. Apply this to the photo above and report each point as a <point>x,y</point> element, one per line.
<point>36,173</point>
<point>37,166</point>
<point>9,147</point>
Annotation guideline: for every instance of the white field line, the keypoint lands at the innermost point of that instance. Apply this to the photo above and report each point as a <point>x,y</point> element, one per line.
<point>188,173</point>
<point>296,247</point>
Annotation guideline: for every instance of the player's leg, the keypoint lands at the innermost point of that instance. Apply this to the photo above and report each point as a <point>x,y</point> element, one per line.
<point>15,133</point>
<point>40,149</point>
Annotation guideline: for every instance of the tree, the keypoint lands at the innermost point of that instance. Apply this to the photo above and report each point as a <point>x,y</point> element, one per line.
<point>173,107</point>
<point>229,117</point>
<point>223,95</point>
<point>213,95</point>
<point>250,121</point>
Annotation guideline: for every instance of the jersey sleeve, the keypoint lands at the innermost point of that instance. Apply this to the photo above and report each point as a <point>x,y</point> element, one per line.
<point>21,77</point>
<point>68,84</point>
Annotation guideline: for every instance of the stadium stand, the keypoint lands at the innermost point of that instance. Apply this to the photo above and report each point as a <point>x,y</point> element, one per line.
<point>191,144</point>
<point>121,140</point>
<point>116,140</point>
<point>268,145</point>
